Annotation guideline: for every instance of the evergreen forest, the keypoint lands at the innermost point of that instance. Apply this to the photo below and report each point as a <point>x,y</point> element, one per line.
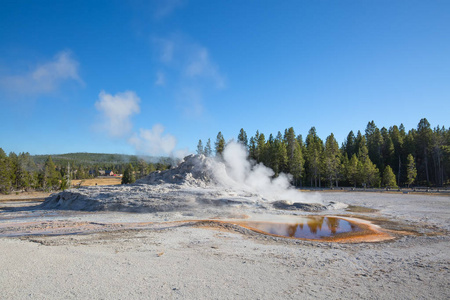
<point>383,157</point>
<point>24,172</point>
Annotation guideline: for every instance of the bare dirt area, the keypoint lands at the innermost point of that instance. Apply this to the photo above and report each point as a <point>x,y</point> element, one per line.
<point>24,196</point>
<point>40,196</point>
<point>104,180</point>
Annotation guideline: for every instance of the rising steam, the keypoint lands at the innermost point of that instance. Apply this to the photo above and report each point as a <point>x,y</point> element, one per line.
<point>237,172</point>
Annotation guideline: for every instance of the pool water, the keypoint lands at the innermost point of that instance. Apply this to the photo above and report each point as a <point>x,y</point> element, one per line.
<point>306,228</point>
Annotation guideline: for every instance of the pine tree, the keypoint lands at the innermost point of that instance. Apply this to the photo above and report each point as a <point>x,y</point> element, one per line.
<point>423,142</point>
<point>5,176</point>
<point>64,183</point>
<point>242,137</point>
<point>332,160</point>
<point>200,150</point>
<point>389,178</point>
<point>81,172</point>
<point>13,170</point>
<point>32,173</point>
<point>360,141</point>
<point>438,151</point>
<point>291,146</point>
<point>252,149</point>
<point>446,150</point>
<point>411,171</point>
<point>208,149</point>
<point>368,172</point>
<point>374,140</point>
<point>128,175</point>
<point>300,141</point>
<point>50,176</point>
<point>349,145</point>
<point>220,144</point>
<point>280,155</point>
<point>352,170</point>
<point>387,150</point>
<point>397,138</point>
<point>151,168</point>
<point>260,147</point>
<point>22,175</point>
<point>297,164</point>
<point>314,151</point>
<point>344,167</point>
<point>143,168</point>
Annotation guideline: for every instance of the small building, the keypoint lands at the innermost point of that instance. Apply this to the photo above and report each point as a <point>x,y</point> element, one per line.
<point>101,172</point>
<point>109,173</point>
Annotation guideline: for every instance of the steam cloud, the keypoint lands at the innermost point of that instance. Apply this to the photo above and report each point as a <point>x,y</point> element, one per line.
<point>237,172</point>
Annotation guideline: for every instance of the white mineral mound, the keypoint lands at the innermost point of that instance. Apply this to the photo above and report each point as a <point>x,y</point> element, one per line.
<point>197,180</point>
<point>194,170</point>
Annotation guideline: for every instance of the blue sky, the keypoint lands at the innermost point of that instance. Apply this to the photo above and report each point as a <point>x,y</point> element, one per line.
<point>154,77</point>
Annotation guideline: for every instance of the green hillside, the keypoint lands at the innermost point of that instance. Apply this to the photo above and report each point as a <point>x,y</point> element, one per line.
<point>99,158</point>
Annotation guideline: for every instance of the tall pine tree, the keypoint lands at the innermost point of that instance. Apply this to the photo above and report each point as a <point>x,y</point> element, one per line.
<point>242,138</point>
<point>389,180</point>
<point>5,175</point>
<point>411,171</point>
<point>332,160</point>
<point>208,150</point>
<point>314,151</point>
<point>220,144</point>
<point>128,176</point>
<point>200,150</point>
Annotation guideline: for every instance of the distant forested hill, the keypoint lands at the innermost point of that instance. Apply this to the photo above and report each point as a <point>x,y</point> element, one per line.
<point>99,158</point>
<point>27,172</point>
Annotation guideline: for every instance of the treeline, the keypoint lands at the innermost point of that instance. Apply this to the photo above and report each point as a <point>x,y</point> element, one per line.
<point>379,158</point>
<point>24,172</point>
<point>103,159</point>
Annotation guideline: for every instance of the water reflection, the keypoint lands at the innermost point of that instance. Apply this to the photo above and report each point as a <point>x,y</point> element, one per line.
<point>315,227</point>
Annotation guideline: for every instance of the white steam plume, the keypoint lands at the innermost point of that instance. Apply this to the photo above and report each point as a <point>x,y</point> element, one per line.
<point>237,172</point>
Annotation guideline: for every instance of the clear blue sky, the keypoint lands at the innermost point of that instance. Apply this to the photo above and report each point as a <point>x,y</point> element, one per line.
<point>156,76</point>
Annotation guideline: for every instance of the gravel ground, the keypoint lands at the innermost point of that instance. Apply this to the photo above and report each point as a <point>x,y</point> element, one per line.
<point>198,262</point>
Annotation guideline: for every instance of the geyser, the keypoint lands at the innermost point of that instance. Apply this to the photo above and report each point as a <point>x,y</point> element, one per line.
<point>243,174</point>
<point>198,180</point>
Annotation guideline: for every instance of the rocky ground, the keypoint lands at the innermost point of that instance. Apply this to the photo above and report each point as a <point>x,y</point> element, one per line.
<point>156,239</point>
<point>193,261</point>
